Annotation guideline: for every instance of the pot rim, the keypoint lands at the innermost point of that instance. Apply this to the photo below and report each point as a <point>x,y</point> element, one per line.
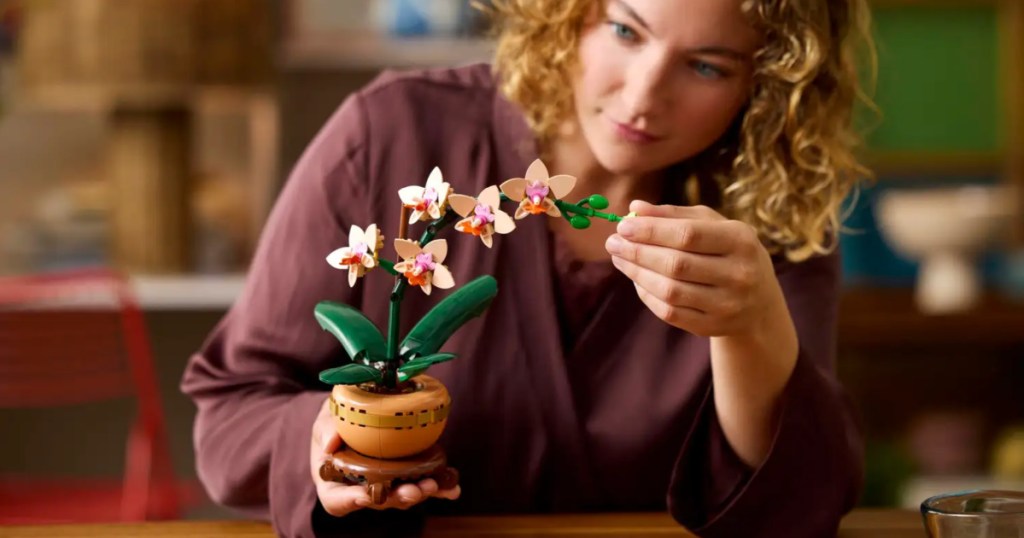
<point>414,418</point>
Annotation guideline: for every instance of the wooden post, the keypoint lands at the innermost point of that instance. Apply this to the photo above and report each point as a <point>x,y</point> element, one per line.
<point>142,62</point>
<point>150,172</point>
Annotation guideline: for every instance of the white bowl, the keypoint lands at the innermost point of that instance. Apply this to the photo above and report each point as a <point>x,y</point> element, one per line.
<point>945,228</point>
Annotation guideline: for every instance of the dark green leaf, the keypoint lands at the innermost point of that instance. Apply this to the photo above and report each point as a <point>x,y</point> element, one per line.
<point>411,373</point>
<point>428,360</point>
<point>598,202</point>
<point>419,365</point>
<point>357,334</point>
<point>448,316</point>
<point>351,374</point>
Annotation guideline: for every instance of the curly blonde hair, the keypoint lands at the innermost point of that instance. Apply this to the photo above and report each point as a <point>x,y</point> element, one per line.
<point>789,162</point>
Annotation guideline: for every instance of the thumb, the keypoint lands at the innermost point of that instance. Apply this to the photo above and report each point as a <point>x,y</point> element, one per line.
<point>642,208</point>
<point>330,441</point>
<point>647,209</point>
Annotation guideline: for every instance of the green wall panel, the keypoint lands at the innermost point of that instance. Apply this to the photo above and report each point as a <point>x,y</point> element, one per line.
<point>938,80</point>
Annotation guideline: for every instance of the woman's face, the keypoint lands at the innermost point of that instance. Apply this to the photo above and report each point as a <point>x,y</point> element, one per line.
<point>661,80</point>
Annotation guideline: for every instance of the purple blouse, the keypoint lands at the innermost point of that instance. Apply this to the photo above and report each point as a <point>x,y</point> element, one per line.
<point>604,407</point>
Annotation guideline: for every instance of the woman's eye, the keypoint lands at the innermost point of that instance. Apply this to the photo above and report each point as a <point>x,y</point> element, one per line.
<point>707,70</point>
<point>622,31</point>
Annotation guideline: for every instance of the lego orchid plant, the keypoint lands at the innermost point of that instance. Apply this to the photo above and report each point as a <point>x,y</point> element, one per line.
<point>384,362</point>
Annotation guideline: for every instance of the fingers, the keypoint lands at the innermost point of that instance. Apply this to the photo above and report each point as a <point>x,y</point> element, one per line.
<point>342,499</point>
<point>670,291</point>
<point>428,486</point>
<point>675,264</point>
<point>450,494</point>
<point>689,235</point>
<point>645,209</point>
<point>338,499</point>
<point>330,442</point>
<point>687,319</point>
<point>408,495</point>
<point>324,441</point>
<point>411,494</point>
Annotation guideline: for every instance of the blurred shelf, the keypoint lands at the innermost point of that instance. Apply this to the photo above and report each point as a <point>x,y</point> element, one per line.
<point>378,52</point>
<point>936,165</point>
<point>870,317</point>
<point>105,98</point>
<point>919,488</point>
<point>199,292</point>
<point>162,293</point>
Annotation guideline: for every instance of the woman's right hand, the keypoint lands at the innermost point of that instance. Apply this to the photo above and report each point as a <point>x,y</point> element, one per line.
<point>341,499</point>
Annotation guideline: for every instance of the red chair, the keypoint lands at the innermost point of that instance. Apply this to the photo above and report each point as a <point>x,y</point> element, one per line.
<point>79,337</point>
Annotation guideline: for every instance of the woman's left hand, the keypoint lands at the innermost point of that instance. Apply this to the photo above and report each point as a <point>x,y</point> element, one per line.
<point>697,270</point>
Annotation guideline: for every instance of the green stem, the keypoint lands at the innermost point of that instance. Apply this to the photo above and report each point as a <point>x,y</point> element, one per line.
<point>580,210</point>
<point>577,209</point>
<point>398,294</point>
<point>435,227</point>
<point>391,369</point>
<point>388,266</point>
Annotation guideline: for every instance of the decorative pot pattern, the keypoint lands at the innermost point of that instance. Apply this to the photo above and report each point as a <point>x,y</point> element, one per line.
<point>391,425</point>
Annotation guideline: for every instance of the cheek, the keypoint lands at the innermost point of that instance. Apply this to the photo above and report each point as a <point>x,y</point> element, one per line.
<point>598,68</point>
<point>707,112</point>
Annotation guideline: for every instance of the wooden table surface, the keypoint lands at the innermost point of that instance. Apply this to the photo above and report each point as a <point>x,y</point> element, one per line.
<point>859,524</point>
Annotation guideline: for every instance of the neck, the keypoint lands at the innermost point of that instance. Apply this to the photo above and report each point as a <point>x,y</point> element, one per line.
<point>571,154</point>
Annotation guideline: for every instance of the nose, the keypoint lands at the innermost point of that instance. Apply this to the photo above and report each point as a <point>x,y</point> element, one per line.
<point>646,89</point>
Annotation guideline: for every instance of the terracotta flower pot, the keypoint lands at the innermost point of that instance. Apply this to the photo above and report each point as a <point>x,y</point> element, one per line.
<point>389,426</point>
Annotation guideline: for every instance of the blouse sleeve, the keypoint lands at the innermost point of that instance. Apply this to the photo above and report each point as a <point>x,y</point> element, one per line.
<point>813,472</point>
<point>254,381</point>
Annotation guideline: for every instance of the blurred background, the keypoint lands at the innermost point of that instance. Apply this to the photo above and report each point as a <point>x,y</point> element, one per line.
<point>152,136</point>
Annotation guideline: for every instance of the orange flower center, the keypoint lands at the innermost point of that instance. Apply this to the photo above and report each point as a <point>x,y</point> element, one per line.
<point>416,280</point>
<point>467,227</point>
<point>354,259</point>
<point>534,209</point>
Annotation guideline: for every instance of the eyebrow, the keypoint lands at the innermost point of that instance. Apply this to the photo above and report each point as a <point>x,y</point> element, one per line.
<point>721,51</point>
<point>714,50</point>
<point>632,13</point>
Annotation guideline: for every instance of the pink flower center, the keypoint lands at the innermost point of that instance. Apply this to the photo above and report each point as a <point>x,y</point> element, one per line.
<point>424,262</point>
<point>355,254</point>
<point>483,214</point>
<point>537,192</point>
<point>429,196</point>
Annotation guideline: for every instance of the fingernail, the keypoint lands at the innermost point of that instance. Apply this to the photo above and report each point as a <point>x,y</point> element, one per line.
<point>626,227</point>
<point>614,244</point>
<point>428,488</point>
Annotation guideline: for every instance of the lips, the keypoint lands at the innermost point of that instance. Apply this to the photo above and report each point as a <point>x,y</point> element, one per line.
<point>632,134</point>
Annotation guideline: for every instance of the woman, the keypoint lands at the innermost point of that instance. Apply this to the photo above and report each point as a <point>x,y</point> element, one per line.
<point>681,361</point>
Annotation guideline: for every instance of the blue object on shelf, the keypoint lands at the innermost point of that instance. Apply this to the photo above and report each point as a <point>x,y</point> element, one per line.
<point>409,20</point>
<point>1011,275</point>
<point>420,18</point>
